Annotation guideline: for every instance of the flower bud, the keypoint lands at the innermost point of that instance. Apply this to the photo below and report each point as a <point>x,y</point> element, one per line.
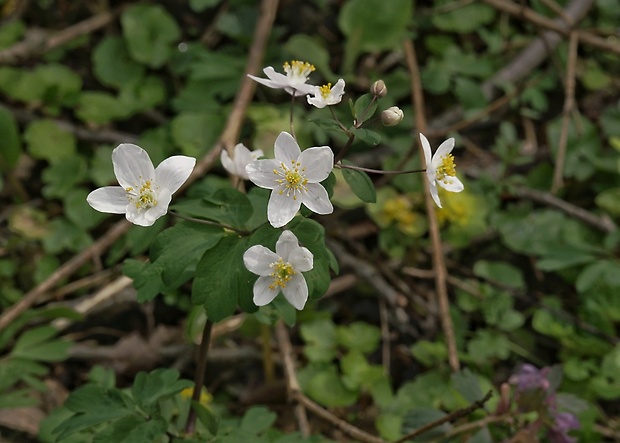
<point>378,89</point>
<point>392,116</point>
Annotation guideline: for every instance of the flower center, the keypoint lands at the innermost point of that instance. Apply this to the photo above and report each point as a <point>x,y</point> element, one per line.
<point>447,168</point>
<point>293,180</point>
<point>326,90</point>
<point>282,272</point>
<point>298,70</point>
<point>145,197</point>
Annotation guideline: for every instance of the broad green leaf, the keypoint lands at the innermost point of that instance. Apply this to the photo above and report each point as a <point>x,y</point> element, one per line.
<point>467,384</point>
<point>327,388</point>
<point>78,211</point>
<point>430,353</point>
<point>469,93</point>
<point>61,177</point>
<point>360,184</point>
<point>149,387</point>
<point>464,19</point>
<point>181,246</point>
<point>609,200</point>
<point>196,133</point>
<point>488,345</point>
<point>112,64</point>
<point>500,272</point>
<point>11,143</point>
<point>359,336</point>
<point>100,108</point>
<point>551,323</point>
<point>418,417</point>
<point>201,5</point>
<point>320,338</point>
<point>38,344</point>
<point>370,137</point>
<point>207,417</point>
<point>364,108</point>
<point>258,419</point>
<point>222,279</point>
<point>48,141</point>
<point>146,278</point>
<point>306,47</point>
<point>150,32</point>
<point>143,95</point>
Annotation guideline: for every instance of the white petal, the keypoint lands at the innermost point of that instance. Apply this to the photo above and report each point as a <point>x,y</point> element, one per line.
<point>337,91</point>
<point>296,291</point>
<point>301,259</point>
<point>256,154</point>
<point>258,258</point>
<point>444,149</point>
<point>426,147</point>
<point>280,79</point>
<point>434,193</point>
<point>452,184</point>
<point>317,101</point>
<point>318,163</point>
<point>266,82</point>
<point>227,162</point>
<point>286,244</point>
<point>316,199</point>
<point>146,217</point>
<point>281,208</point>
<point>261,173</point>
<point>173,172</point>
<point>286,149</point>
<point>132,165</point>
<point>299,89</point>
<point>110,199</point>
<point>263,294</point>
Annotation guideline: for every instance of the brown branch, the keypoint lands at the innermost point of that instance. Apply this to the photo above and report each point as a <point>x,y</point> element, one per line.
<point>569,105</point>
<point>229,135</point>
<point>604,224</point>
<point>439,265</point>
<point>455,415</point>
<point>295,394</point>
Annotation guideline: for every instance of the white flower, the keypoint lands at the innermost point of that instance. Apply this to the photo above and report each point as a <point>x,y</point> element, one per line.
<point>441,168</point>
<point>144,192</point>
<point>294,177</point>
<point>392,116</point>
<point>326,95</point>
<point>280,270</point>
<point>242,157</point>
<point>294,82</point>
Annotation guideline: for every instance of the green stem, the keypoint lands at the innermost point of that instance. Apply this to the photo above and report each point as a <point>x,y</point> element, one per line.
<point>209,222</point>
<point>378,171</point>
<point>199,377</point>
<point>344,150</point>
<point>291,115</point>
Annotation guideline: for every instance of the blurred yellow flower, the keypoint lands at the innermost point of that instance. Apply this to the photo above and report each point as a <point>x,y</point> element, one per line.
<point>205,397</point>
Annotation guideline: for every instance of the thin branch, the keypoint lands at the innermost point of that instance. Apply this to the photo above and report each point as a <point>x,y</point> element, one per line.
<point>569,105</point>
<point>199,378</point>
<point>378,171</point>
<point>447,418</point>
<point>286,350</point>
<point>439,265</point>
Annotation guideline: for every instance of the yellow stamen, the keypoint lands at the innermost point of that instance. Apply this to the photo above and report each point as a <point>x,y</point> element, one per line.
<point>298,68</point>
<point>326,90</point>
<point>447,168</point>
<point>145,198</point>
<point>292,179</point>
<point>282,272</point>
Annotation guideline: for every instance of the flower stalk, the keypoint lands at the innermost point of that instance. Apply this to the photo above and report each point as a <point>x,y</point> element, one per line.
<point>199,377</point>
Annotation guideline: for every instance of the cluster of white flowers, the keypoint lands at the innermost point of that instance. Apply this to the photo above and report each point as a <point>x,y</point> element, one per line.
<point>294,82</point>
<point>293,176</point>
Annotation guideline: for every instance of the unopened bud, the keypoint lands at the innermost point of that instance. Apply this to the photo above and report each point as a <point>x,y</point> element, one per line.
<point>392,116</point>
<point>378,89</point>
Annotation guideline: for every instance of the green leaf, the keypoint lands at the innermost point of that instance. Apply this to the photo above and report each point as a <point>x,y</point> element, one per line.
<point>149,387</point>
<point>47,141</point>
<point>430,353</point>
<point>11,143</point>
<point>599,272</point>
<point>364,108</point>
<point>373,25</point>
<point>564,256</point>
<point>327,388</point>
<point>210,420</point>
<point>258,419</point>
<point>181,246</point>
<point>79,212</point>
<point>320,338</point>
<point>370,137</point>
<point>469,93</point>
<point>112,64</point>
<point>361,184</point>
<point>488,345</point>
<point>143,95</point>
<point>149,32</point>
<point>306,47</point>
<point>468,385</point>
<point>201,5</point>
<point>222,279</point>
<point>100,108</point>
<point>62,176</point>
<point>549,321</point>
<point>228,206</point>
<point>500,272</point>
<point>418,417</point>
<point>37,344</point>
<point>196,133</point>
<point>464,19</point>
<point>359,336</point>
<point>609,200</point>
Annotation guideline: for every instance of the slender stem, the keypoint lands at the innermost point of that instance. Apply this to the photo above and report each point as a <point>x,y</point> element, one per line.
<point>208,222</point>
<point>199,378</point>
<point>344,150</point>
<point>291,115</point>
<point>378,171</point>
<point>268,363</point>
<point>331,109</point>
<point>359,122</point>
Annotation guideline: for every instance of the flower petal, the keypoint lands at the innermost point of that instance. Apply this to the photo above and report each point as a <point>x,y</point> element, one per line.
<point>426,147</point>
<point>318,163</point>
<point>263,294</point>
<point>444,149</point>
<point>132,165</point>
<point>146,217</point>
<point>281,208</point>
<point>261,173</point>
<point>296,291</point>
<point>452,184</point>
<point>316,199</point>
<point>110,199</point>
<point>258,259</point>
<point>435,193</point>
<point>286,244</point>
<point>173,172</point>
<point>337,91</point>
<point>281,79</point>
<point>301,259</point>
<point>286,149</point>
<point>228,162</point>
